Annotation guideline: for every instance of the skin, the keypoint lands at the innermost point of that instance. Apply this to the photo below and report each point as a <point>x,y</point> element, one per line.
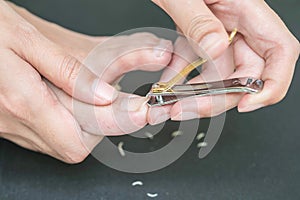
<point>38,114</point>
<point>264,48</point>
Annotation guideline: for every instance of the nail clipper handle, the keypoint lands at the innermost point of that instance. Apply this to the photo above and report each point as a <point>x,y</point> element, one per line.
<point>237,85</point>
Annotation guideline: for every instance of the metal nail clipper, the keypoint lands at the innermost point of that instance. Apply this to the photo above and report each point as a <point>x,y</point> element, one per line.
<point>169,93</point>
<point>177,92</point>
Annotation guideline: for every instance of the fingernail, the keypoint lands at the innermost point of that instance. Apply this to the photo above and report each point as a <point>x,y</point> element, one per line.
<point>185,116</point>
<point>133,103</point>
<point>250,108</point>
<point>161,48</point>
<point>210,43</point>
<point>161,119</point>
<point>104,91</point>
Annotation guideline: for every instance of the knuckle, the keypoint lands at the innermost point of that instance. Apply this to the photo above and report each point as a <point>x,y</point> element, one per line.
<point>69,70</point>
<point>202,25</point>
<point>27,33</point>
<point>21,105</point>
<point>74,154</point>
<point>17,106</point>
<point>75,157</point>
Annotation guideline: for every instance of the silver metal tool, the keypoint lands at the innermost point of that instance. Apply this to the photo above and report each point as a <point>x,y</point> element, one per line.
<point>158,96</point>
<point>169,93</point>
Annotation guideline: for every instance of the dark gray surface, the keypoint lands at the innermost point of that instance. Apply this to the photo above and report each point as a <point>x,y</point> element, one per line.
<point>255,158</point>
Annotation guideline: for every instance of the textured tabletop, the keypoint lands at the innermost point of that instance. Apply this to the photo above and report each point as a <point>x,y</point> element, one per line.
<point>256,157</point>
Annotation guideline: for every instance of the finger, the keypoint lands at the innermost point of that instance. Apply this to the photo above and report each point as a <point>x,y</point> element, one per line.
<point>203,107</point>
<point>157,115</point>
<point>280,50</point>
<point>79,45</point>
<point>61,68</point>
<point>182,56</point>
<point>121,54</point>
<point>276,81</point>
<point>248,64</point>
<point>198,23</point>
<point>27,98</point>
<point>209,106</point>
<point>218,69</point>
<point>126,115</point>
<point>90,140</point>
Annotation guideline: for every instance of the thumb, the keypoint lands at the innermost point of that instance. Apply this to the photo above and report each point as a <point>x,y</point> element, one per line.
<point>199,24</point>
<point>64,70</point>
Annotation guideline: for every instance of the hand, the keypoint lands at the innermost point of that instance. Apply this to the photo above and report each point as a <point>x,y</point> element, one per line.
<point>264,48</point>
<point>77,44</point>
<point>58,66</point>
<point>35,117</point>
<point>128,113</point>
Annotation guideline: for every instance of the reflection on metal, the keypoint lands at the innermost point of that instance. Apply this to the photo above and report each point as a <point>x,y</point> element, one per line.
<point>232,35</point>
<point>177,92</point>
